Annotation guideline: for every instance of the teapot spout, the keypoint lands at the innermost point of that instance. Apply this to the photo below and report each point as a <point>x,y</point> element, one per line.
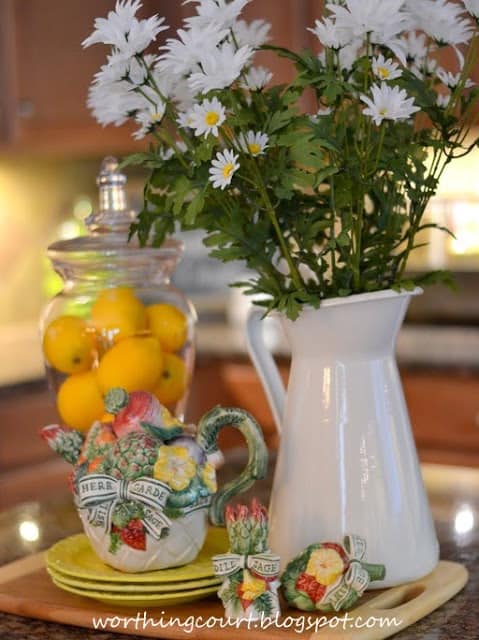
<point>66,442</point>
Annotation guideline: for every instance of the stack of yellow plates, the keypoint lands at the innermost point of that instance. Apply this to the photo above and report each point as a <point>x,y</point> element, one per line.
<point>74,567</point>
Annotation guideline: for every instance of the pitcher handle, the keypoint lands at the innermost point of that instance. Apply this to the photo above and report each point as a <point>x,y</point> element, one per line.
<point>257,466</point>
<point>265,365</point>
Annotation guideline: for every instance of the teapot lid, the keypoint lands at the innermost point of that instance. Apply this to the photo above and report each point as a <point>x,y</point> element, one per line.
<point>109,226</point>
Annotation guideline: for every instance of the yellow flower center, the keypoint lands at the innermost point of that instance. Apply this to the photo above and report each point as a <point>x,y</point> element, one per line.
<point>155,117</point>
<point>383,111</point>
<point>228,170</point>
<point>384,72</point>
<point>254,148</point>
<point>212,118</point>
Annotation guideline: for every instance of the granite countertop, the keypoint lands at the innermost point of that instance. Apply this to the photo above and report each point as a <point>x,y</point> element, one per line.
<point>454,498</point>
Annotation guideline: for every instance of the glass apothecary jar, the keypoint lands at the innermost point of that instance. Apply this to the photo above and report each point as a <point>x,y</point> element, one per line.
<point>118,320</point>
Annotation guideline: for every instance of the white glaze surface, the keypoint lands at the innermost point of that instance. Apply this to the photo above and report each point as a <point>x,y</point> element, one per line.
<point>182,545</point>
<point>347,461</point>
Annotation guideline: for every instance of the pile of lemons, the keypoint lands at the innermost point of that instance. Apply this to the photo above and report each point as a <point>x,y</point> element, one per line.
<point>123,344</point>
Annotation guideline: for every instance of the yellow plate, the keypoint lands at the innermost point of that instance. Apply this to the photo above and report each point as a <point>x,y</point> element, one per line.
<point>142,600</point>
<point>75,557</point>
<point>132,587</point>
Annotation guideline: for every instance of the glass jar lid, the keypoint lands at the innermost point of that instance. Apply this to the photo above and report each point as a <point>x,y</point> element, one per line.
<point>108,229</point>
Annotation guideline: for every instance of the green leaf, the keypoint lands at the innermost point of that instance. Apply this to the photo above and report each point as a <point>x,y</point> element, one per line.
<point>297,177</point>
<point>438,277</point>
<point>343,239</point>
<point>141,158</point>
<point>181,189</point>
<point>194,208</point>
<point>279,120</point>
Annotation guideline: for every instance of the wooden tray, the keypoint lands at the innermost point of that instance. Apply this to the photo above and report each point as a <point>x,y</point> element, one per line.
<point>26,590</point>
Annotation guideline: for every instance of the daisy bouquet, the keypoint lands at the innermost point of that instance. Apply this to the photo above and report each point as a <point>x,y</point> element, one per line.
<point>316,205</point>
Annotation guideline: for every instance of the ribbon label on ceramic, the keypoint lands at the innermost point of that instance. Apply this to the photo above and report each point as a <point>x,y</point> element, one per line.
<point>98,493</point>
<point>264,564</point>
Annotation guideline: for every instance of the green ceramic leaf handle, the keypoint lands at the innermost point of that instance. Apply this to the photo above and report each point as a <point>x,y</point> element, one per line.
<point>208,428</point>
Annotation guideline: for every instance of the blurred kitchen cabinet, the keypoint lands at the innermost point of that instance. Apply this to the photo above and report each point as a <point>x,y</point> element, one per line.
<point>444,410</point>
<point>45,75</point>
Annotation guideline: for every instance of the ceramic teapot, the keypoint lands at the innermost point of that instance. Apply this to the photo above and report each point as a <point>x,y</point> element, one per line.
<point>145,483</point>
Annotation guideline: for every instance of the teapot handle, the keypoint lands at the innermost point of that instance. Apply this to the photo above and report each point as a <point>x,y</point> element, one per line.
<point>265,365</point>
<point>256,468</point>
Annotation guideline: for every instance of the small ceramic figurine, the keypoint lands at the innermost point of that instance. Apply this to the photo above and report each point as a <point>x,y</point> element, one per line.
<point>249,571</point>
<point>145,482</point>
<point>329,577</point>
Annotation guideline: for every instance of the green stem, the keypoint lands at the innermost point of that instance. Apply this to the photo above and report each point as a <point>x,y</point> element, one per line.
<point>295,275</point>
<point>332,198</point>
<point>163,136</point>
<point>380,147</point>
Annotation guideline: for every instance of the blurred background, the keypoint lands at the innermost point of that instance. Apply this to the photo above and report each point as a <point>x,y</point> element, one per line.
<point>50,153</point>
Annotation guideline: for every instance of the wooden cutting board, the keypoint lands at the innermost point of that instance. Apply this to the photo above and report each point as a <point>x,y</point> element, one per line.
<point>26,590</point>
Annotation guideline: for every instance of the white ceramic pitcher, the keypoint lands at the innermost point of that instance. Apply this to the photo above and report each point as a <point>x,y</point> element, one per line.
<point>347,462</point>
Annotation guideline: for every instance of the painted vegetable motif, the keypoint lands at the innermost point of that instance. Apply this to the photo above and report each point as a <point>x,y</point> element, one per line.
<point>328,576</point>
<point>138,476</point>
<point>249,570</point>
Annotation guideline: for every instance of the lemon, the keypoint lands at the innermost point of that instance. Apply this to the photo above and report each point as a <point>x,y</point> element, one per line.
<point>172,383</point>
<point>135,364</point>
<point>79,400</point>
<point>168,324</point>
<point>68,346</point>
<point>117,313</point>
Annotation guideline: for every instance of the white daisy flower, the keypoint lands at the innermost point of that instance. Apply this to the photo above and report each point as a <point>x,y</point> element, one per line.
<point>329,34</point>
<point>347,55</point>
<point>166,153</point>
<point>130,69</point>
<point>253,143</point>
<point>416,47</point>
<point>111,102</point>
<point>182,55</point>
<point>381,21</point>
<point>443,21</point>
<point>443,100</point>
<point>425,68</point>
<point>473,7</point>
<point>256,78</point>
<point>320,113</point>
<point>221,68</point>
<point>451,80</point>
<point>186,119</point>
<point>219,12</point>
<point>388,103</point>
<point>207,117</point>
<point>223,168</point>
<point>148,118</point>
<point>385,69</point>
<point>123,31</point>
<point>253,34</point>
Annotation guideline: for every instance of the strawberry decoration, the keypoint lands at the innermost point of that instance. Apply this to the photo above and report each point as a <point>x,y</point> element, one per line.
<point>134,535</point>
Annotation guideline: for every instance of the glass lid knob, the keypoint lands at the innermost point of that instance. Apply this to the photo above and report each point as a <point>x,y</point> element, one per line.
<point>113,214</point>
